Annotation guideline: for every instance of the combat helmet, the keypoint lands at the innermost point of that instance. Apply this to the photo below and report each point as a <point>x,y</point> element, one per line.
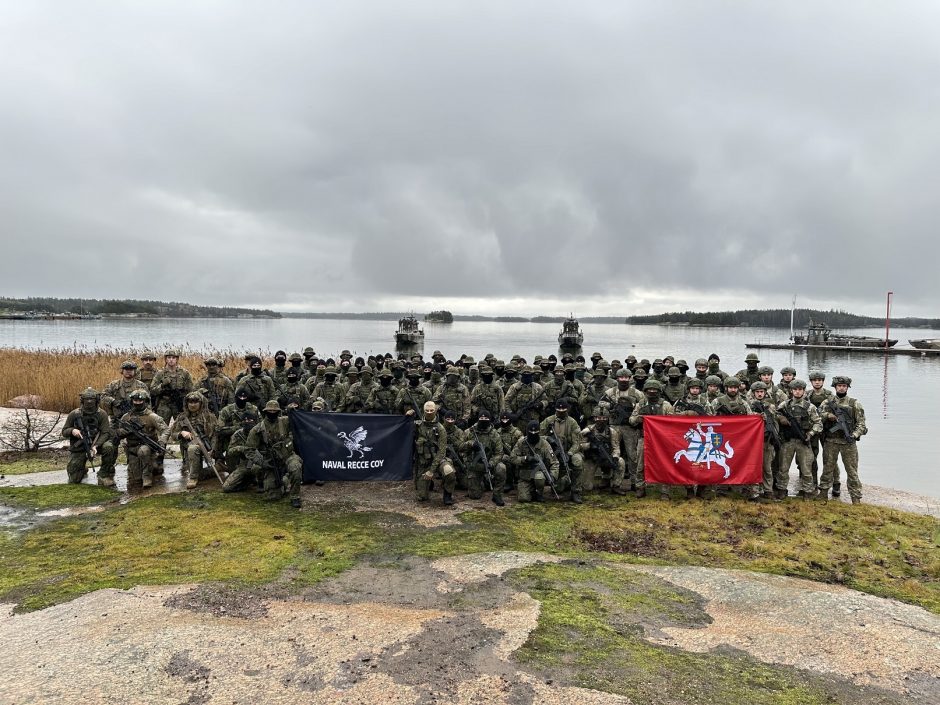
<point>751,357</point>
<point>758,385</point>
<point>653,384</point>
<point>797,384</point>
<point>816,374</point>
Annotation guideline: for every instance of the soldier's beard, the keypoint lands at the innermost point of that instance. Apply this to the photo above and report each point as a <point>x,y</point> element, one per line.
<point>842,395</point>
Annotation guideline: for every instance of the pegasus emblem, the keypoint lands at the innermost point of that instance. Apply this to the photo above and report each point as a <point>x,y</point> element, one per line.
<point>354,441</point>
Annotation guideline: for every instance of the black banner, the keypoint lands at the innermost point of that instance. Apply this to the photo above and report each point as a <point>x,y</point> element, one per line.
<point>353,447</point>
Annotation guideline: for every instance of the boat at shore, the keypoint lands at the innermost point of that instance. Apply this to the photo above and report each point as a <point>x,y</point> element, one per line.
<point>409,331</point>
<point>926,344</point>
<point>571,335</point>
<point>819,334</point>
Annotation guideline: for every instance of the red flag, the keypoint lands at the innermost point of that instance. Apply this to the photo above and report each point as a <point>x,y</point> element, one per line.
<point>703,450</point>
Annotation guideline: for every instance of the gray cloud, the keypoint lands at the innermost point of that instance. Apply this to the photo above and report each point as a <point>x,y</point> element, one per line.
<point>363,154</point>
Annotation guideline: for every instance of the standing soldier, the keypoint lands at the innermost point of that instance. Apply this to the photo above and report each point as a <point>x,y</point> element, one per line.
<point>601,445</point>
<point>430,464</point>
<point>358,393</point>
<point>142,428</point>
<point>732,403</point>
<point>279,373</point>
<point>89,433</point>
<point>487,395</point>
<point>796,442</point>
<point>258,384</point>
<point>328,390</point>
<point>787,375</point>
<point>382,398</point>
<point>623,400</point>
<point>116,398</point>
<point>147,370</point>
<point>525,399</point>
<point>170,386</point>
<point>270,452</point>
<point>231,418</point>
<point>296,361</point>
<point>775,481</point>
<point>564,436</point>
<point>216,387</point>
<point>411,397</point>
<point>310,361</point>
<point>533,458</point>
<point>453,453</point>
<point>594,393</point>
<point>195,425</point>
<point>673,389</point>
<point>557,387</point>
<point>701,369</point>
<point>482,442</point>
<point>454,396</point>
<point>750,373</point>
<point>240,477</point>
<point>844,424</point>
<point>652,406</point>
<point>292,394</point>
<point>817,395</point>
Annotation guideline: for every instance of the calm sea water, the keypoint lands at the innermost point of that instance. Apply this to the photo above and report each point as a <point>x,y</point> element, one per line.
<point>899,393</point>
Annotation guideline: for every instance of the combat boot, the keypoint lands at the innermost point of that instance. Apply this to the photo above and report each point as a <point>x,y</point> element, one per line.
<point>836,489</point>
<point>577,499</point>
<point>537,496</point>
<point>191,483</point>
<point>448,498</point>
<point>295,502</point>
<point>106,481</point>
<point>147,480</point>
<point>640,493</point>
<point>498,500</point>
<point>618,490</point>
<point>781,495</point>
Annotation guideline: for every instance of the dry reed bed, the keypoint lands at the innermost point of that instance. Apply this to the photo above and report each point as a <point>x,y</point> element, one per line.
<point>56,377</point>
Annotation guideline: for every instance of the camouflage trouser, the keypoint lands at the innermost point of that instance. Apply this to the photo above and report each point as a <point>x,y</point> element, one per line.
<point>106,455</point>
<point>814,444</point>
<point>769,461</point>
<point>576,465</point>
<point>166,410</point>
<point>595,473</point>
<point>832,449</point>
<point>193,465</point>
<point>280,477</point>
<point>141,465</point>
<point>477,484</point>
<point>531,482</point>
<point>240,477</point>
<point>794,448</point>
<point>425,478</point>
<point>628,440</point>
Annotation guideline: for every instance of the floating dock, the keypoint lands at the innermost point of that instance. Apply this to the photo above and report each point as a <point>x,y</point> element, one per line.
<point>917,352</point>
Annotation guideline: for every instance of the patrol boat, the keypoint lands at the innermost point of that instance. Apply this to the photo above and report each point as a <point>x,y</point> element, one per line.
<point>926,344</point>
<point>409,332</point>
<point>571,335</point>
<point>820,334</point>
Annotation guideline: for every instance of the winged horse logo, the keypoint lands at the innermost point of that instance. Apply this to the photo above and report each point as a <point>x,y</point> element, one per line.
<point>354,441</point>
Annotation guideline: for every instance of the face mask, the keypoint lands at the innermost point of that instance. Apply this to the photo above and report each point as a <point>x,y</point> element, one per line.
<point>639,382</point>
<point>240,402</point>
<point>842,395</point>
<point>139,407</point>
<point>451,380</point>
<point>414,381</point>
<point>510,376</point>
<point>398,373</point>
<point>600,423</point>
<point>674,381</point>
<point>527,378</point>
<point>280,361</point>
<point>623,384</point>
<point>658,368</point>
<point>713,365</point>
<point>559,380</point>
<point>89,405</point>
<point>561,413</point>
<point>385,381</point>
<point>292,379</point>
<point>483,425</point>
<point>271,416</point>
<point>486,378</point>
<point>532,438</point>
<point>569,375</point>
<point>330,379</point>
<point>653,395</point>
<point>427,374</point>
<point>256,371</point>
<point>248,425</point>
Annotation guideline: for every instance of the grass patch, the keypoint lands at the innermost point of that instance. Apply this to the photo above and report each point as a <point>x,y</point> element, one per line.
<point>56,496</point>
<point>168,539</point>
<point>873,549</point>
<point>590,630</point>
<point>20,463</point>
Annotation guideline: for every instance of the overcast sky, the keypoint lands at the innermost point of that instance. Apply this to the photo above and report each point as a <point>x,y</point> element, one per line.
<point>486,157</point>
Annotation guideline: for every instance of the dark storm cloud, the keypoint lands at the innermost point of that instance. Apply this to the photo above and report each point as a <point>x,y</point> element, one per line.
<point>350,154</point>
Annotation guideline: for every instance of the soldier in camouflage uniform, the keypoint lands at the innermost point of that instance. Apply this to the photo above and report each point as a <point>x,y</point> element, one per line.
<point>296,361</point>
<point>90,423</point>
<point>412,397</point>
<point>170,386</point>
<point>837,443</point>
<point>240,477</point>
<point>766,374</point>
<point>807,416</point>
<point>487,395</point>
<point>733,403</point>
<point>270,452</point>
<point>329,390</point>
<point>142,462</point>
<point>714,367</point>
<point>659,372</point>
<point>559,388</point>
<point>694,403</point>
<point>430,465</point>
<point>509,435</point>
<point>712,388</point>
<point>525,399</point>
<point>787,375</point>
<point>481,440</point>
<point>455,441</point>
<point>279,373</point>
<point>600,442</point>
<point>195,420</point>
<point>454,396</point>
<point>509,377</point>
<point>594,393</point>
<point>673,389</point>
<point>817,395</point>
<point>116,398</point>
<point>310,361</point>
<point>564,436</point>
<point>533,457</point>
<point>293,394</point>
<point>750,373</point>
<point>216,387</point>
<point>258,384</point>
<point>383,398</point>
<point>654,405</point>
<point>701,369</point>
<point>774,485</point>
<point>231,418</point>
<point>147,370</point>
<point>358,393</point>
<point>622,400</point>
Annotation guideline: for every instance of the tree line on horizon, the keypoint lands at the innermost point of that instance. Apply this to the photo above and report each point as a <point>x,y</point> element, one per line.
<point>778,318</point>
<point>118,307</point>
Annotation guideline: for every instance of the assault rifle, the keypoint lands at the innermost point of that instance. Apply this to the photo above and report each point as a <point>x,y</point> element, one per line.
<point>88,443</point>
<point>451,453</point>
<point>212,396</point>
<point>136,430</point>
<point>202,442</point>
<point>120,408</point>
<point>562,454</point>
<point>549,478</point>
<point>528,405</point>
<point>481,454</point>
<point>414,404</point>
<point>620,411</point>
<point>597,443</point>
<point>686,405</point>
<point>795,428</point>
<point>842,420</point>
<point>770,423</point>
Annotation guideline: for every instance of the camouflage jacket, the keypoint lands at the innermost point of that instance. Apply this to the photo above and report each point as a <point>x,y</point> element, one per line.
<point>608,437</point>
<point>333,394</point>
<point>488,397</point>
<point>293,396</point>
<point>152,425</point>
<point>230,418</point>
<point>804,412</point>
<point>622,403</point>
<point>270,442</point>
<point>202,422</point>
<point>521,396</point>
<point>96,425</point>
<point>171,384</point>
<point>509,435</point>
<point>567,430</point>
<point>454,398</point>
<point>430,444</point>
<point>357,395</point>
<point>660,408</point>
<point>382,400</point>
<point>525,457</point>
<point>673,392</point>
<point>723,405</point>
<point>412,399</point>
<point>492,445</point>
<point>855,413</point>
<point>260,388</point>
<point>218,391</point>
<point>115,399</point>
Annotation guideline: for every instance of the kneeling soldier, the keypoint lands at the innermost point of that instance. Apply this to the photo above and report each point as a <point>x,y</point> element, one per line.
<point>194,428</point>
<point>536,463</point>
<point>601,446</point>
<point>89,433</point>
<point>240,476</point>
<point>564,435</point>
<point>270,451</point>
<point>430,463</point>
<point>142,428</point>
<point>484,450</point>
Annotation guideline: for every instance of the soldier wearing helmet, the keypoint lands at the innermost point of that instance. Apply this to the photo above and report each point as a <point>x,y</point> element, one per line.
<point>90,435</point>
<point>413,395</point>
<point>143,463</point>
<point>216,387</point>
<point>170,386</point>
<point>564,436</point>
<point>532,456</point>
<point>293,394</point>
<point>817,394</point>
<point>751,361</point>
<point>798,411</point>
<point>837,443</point>
<point>526,399</point>
<point>240,476</point>
<point>383,398</point>
<point>431,467</point>
<point>600,445</point>
<point>483,441</point>
<point>194,427</point>
<point>258,384</point>
<point>271,455</point>
<point>653,405</point>
<point>116,397</point>
<point>454,396</point>
<point>732,403</point>
<point>231,418</point>
<point>329,389</point>
<point>787,375</point>
<point>147,370</point>
<point>623,399</point>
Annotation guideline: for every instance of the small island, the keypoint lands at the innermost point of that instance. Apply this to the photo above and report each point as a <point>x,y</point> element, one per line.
<point>439,317</point>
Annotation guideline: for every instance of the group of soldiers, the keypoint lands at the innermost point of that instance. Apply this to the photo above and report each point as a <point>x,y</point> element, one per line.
<point>552,427</point>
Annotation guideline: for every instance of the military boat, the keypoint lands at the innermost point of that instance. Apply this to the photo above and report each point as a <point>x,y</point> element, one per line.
<point>820,334</point>
<point>409,331</point>
<point>926,344</point>
<point>570,335</point>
